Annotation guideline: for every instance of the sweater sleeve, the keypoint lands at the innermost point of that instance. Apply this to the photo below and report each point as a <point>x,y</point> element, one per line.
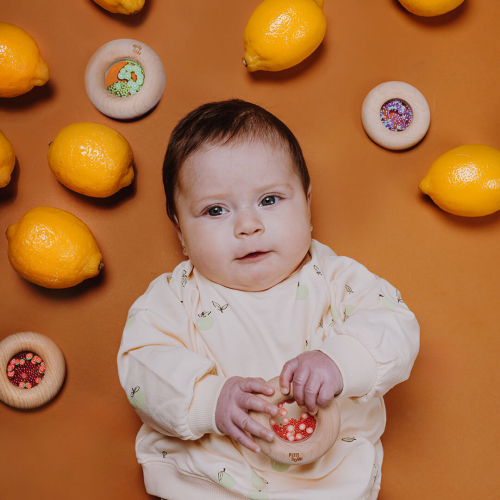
<point>172,387</point>
<point>374,338</point>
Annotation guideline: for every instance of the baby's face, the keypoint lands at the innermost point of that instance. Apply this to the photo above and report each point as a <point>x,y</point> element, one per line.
<point>243,215</point>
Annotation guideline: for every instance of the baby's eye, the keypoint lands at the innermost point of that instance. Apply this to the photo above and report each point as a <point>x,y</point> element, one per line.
<point>215,211</point>
<point>269,200</point>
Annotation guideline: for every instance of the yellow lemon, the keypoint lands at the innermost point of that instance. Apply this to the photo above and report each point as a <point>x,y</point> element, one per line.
<point>21,66</point>
<point>121,6</point>
<point>465,181</point>
<point>282,33</point>
<point>53,248</point>
<point>91,159</point>
<point>7,160</point>
<point>429,8</point>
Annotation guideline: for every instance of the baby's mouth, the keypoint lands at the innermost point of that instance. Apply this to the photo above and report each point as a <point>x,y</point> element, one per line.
<point>252,256</point>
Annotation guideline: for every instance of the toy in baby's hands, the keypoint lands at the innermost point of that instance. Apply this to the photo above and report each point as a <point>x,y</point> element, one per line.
<point>291,435</point>
<point>301,438</point>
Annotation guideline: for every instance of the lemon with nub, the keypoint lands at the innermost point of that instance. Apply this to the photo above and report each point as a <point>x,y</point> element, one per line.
<point>282,33</point>
<point>7,160</point>
<point>121,6</point>
<point>21,66</point>
<point>465,181</point>
<point>429,8</point>
<point>53,248</point>
<point>91,159</point>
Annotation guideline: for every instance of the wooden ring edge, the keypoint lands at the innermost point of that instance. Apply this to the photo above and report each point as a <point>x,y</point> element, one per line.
<point>133,106</point>
<point>370,115</point>
<point>278,449</point>
<point>52,381</point>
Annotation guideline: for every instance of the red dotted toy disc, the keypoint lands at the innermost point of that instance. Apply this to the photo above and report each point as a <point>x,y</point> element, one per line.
<point>292,424</point>
<point>26,370</point>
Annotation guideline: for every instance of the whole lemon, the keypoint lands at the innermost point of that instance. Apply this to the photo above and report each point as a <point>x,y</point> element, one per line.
<point>429,8</point>
<point>121,6</point>
<point>7,160</point>
<point>465,181</point>
<point>21,66</point>
<point>282,33</point>
<point>91,159</point>
<point>53,248</point>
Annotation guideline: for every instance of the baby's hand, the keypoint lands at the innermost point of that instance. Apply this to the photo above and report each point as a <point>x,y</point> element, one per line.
<point>316,380</point>
<point>236,397</point>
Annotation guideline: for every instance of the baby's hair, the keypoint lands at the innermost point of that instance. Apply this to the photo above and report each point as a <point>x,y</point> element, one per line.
<point>218,123</point>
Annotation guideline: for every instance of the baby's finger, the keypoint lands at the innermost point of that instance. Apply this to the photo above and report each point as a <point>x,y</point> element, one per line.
<point>326,394</point>
<point>248,401</point>
<point>238,435</point>
<point>311,392</point>
<point>286,375</point>
<point>300,379</point>
<point>259,385</point>
<point>248,424</point>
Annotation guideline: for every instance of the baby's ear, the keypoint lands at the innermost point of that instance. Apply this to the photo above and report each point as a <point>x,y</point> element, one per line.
<point>181,239</point>
<point>309,195</point>
<point>179,234</point>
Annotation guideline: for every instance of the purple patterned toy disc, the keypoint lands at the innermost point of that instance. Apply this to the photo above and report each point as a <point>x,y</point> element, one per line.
<point>396,115</point>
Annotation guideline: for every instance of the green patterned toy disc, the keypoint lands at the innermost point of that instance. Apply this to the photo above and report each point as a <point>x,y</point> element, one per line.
<point>124,78</point>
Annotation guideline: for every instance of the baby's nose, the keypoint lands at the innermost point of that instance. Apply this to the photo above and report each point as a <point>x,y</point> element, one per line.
<point>248,223</point>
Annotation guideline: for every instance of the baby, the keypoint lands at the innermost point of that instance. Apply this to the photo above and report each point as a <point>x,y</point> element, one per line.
<point>257,298</point>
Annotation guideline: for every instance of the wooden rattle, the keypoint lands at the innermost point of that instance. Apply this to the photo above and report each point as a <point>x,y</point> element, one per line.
<point>32,370</point>
<point>395,115</point>
<point>124,79</point>
<point>300,439</point>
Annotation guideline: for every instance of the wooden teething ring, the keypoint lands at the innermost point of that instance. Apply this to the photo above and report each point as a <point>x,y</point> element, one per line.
<point>134,105</point>
<point>299,453</point>
<point>51,382</point>
<point>374,127</point>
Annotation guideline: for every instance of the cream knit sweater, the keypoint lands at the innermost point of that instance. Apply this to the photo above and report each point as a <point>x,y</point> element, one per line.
<point>186,335</point>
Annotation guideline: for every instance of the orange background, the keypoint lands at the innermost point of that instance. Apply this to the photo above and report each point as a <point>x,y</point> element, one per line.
<point>442,432</point>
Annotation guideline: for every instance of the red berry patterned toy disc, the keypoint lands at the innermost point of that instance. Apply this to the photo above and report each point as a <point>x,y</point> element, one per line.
<point>26,370</point>
<point>32,370</point>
